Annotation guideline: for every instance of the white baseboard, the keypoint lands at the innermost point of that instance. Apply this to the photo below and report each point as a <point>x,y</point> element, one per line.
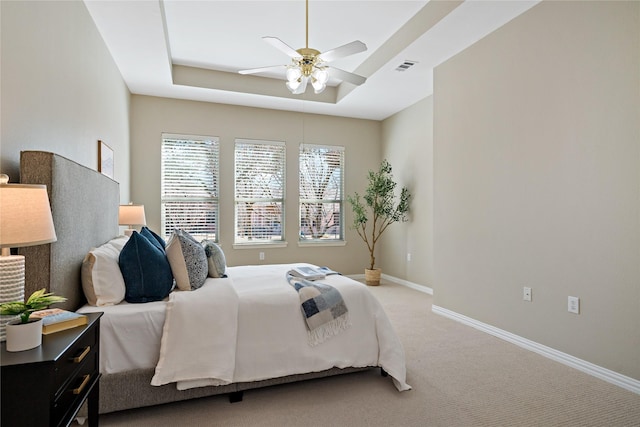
<point>604,374</point>
<point>425,289</point>
<point>607,375</point>
<point>420,288</point>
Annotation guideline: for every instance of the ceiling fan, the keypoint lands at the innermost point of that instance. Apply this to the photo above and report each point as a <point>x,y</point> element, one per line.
<point>309,65</point>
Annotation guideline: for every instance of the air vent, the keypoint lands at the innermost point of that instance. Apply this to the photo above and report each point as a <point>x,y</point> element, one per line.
<point>406,65</point>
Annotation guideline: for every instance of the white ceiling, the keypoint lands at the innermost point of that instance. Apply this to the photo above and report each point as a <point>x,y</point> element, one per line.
<point>193,49</point>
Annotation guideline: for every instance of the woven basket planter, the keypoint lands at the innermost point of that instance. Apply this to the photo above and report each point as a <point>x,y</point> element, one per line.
<point>372,277</point>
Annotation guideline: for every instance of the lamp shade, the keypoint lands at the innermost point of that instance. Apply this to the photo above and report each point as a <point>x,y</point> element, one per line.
<point>25,215</point>
<point>131,215</point>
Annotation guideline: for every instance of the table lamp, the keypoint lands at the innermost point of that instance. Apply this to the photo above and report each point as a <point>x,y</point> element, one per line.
<point>25,220</point>
<point>131,215</point>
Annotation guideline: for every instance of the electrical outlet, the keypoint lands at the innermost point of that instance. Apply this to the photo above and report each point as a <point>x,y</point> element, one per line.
<point>261,256</point>
<point>526,294</point>
<point>408,256</point>
<point>574,305</point>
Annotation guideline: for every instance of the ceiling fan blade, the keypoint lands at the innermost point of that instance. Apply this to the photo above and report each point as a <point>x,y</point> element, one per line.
<point>282,46</point>
<point>346,76</point>
<point>342,51</point>
<point>262,69</point>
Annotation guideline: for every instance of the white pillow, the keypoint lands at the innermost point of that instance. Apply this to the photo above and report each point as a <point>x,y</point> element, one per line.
<point>118,242</point>
<point>102,279</point>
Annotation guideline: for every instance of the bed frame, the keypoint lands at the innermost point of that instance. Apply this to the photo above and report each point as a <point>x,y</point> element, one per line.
<point>84,205</point>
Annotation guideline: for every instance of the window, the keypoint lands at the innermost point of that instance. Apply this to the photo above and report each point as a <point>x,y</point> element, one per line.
<point>189,194</point>
<point>259,191</point>
<point>321,188</point>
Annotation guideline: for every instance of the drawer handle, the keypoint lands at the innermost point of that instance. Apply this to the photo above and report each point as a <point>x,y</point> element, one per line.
<point>84,353</point>
<point>85,381</point>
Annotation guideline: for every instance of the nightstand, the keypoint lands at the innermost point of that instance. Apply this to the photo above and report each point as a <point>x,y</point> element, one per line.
<point>47,385</point>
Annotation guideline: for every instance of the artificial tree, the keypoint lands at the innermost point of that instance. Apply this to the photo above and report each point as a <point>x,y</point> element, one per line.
<point>378,208</point>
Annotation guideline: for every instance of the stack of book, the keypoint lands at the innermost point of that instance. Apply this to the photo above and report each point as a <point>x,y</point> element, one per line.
<point>56,319</point>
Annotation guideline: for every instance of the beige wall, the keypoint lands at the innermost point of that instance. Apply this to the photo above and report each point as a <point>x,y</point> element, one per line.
<point>407,142</point>
<point>361,138</point>
<point>61,90</point>
<point>537,180</point>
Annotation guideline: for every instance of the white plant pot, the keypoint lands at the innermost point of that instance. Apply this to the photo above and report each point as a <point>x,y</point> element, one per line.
<point>24,336</point>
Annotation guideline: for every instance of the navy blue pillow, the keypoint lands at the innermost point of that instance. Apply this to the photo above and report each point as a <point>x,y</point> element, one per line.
<point>157,241</point>
<point>145,269</point>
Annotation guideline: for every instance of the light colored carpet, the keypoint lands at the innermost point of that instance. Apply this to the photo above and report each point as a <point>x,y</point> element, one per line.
<point>460,377</point>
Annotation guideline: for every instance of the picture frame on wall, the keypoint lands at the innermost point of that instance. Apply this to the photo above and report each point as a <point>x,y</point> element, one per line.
<point>105,159</point>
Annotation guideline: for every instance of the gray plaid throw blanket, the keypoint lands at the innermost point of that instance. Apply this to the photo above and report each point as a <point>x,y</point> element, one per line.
<point>323,308</point>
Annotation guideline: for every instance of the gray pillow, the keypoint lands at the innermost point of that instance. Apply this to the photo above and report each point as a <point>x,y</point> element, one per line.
<point>187,259</point>
<point>215,259</point>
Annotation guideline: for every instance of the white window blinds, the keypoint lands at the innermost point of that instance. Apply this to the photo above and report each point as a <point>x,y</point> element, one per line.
<point>321,192</point>
<point>259,191</point>
<point>189,194</point>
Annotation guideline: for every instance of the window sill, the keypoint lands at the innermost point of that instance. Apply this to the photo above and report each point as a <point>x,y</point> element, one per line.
<point>320,243</point>
<point>259,245</point>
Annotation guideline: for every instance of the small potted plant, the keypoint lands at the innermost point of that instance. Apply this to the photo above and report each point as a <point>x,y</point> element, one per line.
<point>379,211</point>
<point>24,333</point>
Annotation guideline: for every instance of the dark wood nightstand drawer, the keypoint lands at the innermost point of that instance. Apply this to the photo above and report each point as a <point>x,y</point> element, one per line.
<point>81,352</point>
<point>46,386</point>
<point>76,389</point>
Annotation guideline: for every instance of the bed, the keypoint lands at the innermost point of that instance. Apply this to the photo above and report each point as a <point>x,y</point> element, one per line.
<point>139,342</point>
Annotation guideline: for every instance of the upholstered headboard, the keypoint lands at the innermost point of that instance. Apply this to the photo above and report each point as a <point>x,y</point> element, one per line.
<point>84,205</point>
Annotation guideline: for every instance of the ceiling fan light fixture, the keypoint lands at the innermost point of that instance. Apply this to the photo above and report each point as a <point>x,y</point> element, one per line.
<point>319,80</point>
<point>321,75</point>
<point>293,85</point>
<point>309,64</point>
<point>293,74</point>
<point>318,86</point>
<point>302,87</point>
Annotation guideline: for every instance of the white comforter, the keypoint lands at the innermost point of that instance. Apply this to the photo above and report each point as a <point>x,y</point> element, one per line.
<point>198,344</point>
<point>263,337</point>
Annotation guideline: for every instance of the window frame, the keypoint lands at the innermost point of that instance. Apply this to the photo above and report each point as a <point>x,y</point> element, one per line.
<point>341,240</point>
<point>215,199</point>
<point>252,241</point>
